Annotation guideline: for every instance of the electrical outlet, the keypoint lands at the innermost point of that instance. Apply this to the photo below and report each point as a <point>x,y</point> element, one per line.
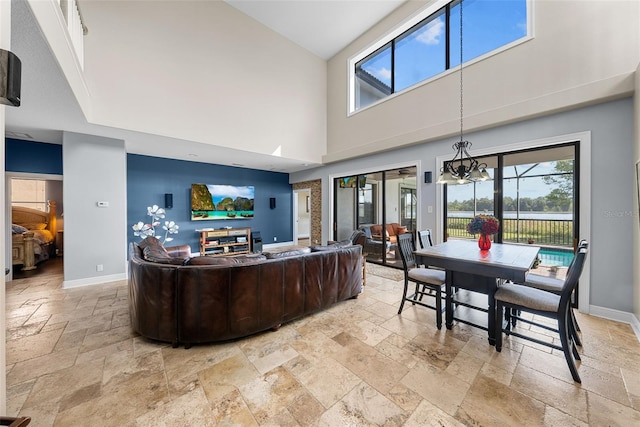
<point>99,267</point>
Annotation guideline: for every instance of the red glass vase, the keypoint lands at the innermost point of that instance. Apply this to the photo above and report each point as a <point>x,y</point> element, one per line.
<point>484,242</point>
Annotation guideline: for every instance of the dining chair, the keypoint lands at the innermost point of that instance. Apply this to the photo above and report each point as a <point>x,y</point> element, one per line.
<point>510,297</point>
<point>425,279</point>
<point>553,284</point>
<point>424,238</point>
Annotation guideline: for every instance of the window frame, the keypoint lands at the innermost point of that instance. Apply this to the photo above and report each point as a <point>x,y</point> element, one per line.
<point>406,27</point>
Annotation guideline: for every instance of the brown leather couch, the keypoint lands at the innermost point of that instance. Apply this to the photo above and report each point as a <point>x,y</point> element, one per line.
<point>179,303</point>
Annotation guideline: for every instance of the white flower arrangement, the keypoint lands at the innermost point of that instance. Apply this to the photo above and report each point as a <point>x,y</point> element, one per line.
<point>149,230</point>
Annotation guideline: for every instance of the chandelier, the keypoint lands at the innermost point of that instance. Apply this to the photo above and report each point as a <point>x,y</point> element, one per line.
<point>463,168</point>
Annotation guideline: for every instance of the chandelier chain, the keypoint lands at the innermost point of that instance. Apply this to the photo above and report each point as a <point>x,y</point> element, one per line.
<point>461,88</point>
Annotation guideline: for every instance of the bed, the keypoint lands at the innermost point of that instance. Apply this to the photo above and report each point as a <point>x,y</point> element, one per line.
<point>33,235</point>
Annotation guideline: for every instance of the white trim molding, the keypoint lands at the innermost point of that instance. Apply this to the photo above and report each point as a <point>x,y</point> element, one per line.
<point>91,281</point>
<point>618,316</point>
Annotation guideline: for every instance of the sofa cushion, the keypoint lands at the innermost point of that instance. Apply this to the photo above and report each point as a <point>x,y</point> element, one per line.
<point>211,260</point>
<point>332,246</point>
<point>286,254</point>
<point>226,260</point>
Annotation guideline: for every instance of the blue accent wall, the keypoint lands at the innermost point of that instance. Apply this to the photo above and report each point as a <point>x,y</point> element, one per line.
<point>149,178</point>
<point>32,157</point>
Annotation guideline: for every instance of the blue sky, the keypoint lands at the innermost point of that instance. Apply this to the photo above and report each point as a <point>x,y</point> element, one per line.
<point>219,192</point>
<point>488,24</point>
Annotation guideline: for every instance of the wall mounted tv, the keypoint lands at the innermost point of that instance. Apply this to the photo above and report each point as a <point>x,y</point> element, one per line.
<point>210,201</point>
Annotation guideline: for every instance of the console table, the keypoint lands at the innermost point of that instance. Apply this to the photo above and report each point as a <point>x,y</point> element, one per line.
<point>224,241</point>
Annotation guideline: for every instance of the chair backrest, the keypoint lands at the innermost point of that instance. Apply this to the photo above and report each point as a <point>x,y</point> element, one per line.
<point>582,244</point>
<point>573,274</point>
<point>357,237</point>
<point>405,246</point>
<point>424,237</point>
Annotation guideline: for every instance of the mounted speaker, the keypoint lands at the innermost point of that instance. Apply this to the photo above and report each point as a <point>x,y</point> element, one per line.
<point>272,202</point>
<point>10,78</point>
<point>168,200</point>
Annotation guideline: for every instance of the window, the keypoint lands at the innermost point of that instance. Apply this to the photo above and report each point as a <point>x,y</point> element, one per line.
<point>429,45</point>
<point>29,193</point>
<point>420,52</point>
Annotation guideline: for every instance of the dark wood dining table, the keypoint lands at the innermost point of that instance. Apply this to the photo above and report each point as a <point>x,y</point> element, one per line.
<point>468,267</point>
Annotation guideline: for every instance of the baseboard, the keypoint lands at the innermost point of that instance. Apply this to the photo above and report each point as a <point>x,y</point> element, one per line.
<point>617,315</point>
<point>88,281</point>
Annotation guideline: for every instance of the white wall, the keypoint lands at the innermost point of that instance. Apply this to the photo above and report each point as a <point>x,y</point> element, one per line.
<point>636,227</point>
<point>5,43</point>
<point>214,76</point>
<point>94,170</point>
<point>611,127</point>
<point>582,52</point>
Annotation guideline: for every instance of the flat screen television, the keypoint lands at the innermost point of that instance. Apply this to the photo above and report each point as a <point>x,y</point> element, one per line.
<point>212,201</point>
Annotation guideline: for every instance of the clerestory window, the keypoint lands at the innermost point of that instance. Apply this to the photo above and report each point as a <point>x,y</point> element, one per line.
<point>428,46</point>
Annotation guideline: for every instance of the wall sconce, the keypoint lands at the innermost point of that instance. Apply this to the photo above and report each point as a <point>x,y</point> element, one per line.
<point>168,200</point>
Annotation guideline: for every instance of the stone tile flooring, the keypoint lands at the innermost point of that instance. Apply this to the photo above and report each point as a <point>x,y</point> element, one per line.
<point>72,360</point>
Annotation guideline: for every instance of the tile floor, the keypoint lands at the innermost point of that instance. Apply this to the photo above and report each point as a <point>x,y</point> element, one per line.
<point>72,360</point>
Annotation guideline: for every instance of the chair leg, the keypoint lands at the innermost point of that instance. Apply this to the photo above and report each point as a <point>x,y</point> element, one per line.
<point>566,341</point>
<point>498,315</point>
<point>439,309</point>
<point>404,296</point>
<point>574,328</point>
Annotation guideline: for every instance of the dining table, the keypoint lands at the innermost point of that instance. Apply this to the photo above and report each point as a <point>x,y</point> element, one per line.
<point>468,267</point>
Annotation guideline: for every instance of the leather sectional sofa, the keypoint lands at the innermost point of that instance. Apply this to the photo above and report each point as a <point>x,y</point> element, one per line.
<point>182,300</point>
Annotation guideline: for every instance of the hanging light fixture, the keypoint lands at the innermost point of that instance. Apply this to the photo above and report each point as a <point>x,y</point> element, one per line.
<point>463,168</point>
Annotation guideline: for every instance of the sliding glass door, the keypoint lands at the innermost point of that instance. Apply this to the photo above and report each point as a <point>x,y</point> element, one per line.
<point>380,203</point>
<point>534,195</point>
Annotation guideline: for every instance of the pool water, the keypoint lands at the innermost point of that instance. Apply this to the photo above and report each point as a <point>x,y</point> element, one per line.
<point>555,257</point>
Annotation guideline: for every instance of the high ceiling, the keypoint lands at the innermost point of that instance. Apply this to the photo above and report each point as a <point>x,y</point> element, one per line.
<point>323,27</point>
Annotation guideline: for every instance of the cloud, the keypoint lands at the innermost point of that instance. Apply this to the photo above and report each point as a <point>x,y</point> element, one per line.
<point>232,191</point>
<point>383,74</point>
<point>432,32</point>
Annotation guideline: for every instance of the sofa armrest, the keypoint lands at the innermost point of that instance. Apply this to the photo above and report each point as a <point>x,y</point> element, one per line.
<point>182,251</point>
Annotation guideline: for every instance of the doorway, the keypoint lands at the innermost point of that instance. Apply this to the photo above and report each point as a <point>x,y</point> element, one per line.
<point>34,192</point>
<point>380,203</point>
<point>302,217</point>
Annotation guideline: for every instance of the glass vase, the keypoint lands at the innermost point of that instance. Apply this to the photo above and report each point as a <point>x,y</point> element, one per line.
<point>484,242</point>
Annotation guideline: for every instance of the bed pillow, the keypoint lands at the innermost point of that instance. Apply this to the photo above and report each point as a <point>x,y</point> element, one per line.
<point>35,225</point>
<point>18,229</point>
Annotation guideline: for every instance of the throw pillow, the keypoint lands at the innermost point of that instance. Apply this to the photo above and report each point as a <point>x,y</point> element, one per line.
<point>154,251</point>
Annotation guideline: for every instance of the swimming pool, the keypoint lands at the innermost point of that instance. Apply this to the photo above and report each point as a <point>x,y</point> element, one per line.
<point>555,257</point>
